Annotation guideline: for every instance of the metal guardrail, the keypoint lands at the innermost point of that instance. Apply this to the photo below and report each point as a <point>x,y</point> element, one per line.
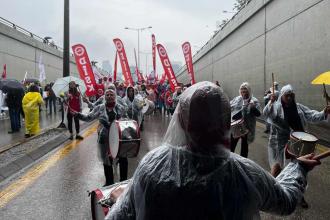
<point>30,34</point>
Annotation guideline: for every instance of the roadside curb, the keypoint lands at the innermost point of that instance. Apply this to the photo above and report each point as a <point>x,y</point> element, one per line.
<point>30,157</point>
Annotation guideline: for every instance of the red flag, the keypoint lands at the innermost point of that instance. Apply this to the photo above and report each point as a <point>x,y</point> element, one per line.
<point>154,53</point>
<point>4,73</point>
<point>137,72</point>
<point>186,48</point>
<point>85,68</point>
<point>167,67</point>
<point>123,61</point>
<point>115,69</point>
<point>100,90</point>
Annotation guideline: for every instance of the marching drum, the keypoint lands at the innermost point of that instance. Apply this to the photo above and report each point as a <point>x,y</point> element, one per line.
<point>238,128</point>
<point>102,199</point>
<point>148,107</point>
<point>124,139</point>
<point>301,143</point>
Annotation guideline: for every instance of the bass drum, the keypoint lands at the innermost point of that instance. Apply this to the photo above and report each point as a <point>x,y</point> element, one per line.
<point>148,107</point>
<point>102,199</point>
<point>124,139</point>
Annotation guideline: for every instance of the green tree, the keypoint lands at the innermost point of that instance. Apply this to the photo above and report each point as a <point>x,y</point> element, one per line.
<point>240,4</point>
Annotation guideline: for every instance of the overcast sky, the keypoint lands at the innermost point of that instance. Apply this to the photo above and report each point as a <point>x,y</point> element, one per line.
<point>95,23</point>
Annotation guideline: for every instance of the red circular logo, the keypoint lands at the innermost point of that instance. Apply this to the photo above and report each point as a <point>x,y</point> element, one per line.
<point>186,48</point>
<point>162,51</point>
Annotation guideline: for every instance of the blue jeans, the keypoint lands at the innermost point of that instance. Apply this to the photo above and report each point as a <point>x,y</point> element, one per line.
<point>15,119</point>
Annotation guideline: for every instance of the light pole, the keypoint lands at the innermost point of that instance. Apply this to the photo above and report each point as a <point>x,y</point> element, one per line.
<point>66,40</point>
<point>146,53</point>
<point>138,31</point>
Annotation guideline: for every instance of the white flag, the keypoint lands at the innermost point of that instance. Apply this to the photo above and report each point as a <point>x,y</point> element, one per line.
<point>97,74</point>
<point>42,73</point>
<point>25,76</point>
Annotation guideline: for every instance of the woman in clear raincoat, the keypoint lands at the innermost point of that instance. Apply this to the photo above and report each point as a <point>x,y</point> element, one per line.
<point>134,103</point>
<point>194,176</point>
<point>245,106</point>
<point>31,102</point>
<point>281,129</point>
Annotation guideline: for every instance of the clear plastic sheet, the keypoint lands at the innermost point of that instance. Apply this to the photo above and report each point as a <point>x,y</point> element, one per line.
<point>189,177</point>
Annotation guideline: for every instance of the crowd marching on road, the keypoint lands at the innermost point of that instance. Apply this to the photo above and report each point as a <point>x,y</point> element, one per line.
<point>204,130</point>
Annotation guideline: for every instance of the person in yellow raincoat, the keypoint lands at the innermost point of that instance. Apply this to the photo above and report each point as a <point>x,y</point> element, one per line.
<point>31,102</point>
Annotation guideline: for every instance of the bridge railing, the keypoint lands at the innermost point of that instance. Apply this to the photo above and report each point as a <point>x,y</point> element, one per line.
<point>30,34</point>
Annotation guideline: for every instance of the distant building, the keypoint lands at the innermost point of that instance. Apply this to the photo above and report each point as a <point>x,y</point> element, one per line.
<point>176,65</point>
<point>106,65</point>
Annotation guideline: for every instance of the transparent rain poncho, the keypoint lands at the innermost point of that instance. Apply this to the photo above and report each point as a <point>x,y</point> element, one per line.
<point>193,176</point>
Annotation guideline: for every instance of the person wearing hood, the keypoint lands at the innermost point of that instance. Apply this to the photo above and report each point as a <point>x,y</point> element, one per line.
<point>246,107</point>
<point>31,103</point>
<point>194,176</point>
<point>107,112</point>
<point>286,115</point>
<point>134,103</point>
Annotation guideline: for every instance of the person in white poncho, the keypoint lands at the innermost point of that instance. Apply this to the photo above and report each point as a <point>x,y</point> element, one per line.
<point>194,176</point>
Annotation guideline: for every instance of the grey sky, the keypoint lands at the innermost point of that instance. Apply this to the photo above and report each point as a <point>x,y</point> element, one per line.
<point>95,23</point>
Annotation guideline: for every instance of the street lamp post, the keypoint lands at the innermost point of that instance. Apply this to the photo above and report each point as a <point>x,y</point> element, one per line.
<point>138,31</point>
<point>66,40</point>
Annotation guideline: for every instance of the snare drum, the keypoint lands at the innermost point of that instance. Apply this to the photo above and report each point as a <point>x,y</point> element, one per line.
<point>102,199</point>
<point>124,139</point>
<point>301,143</point>
<point>238,128</point>
<point>149,107</point>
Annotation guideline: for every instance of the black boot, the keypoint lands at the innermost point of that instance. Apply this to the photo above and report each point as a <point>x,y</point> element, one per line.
<point>108,172</point>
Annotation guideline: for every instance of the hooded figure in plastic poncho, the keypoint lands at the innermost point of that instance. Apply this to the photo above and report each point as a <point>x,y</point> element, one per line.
<point>134,103</point>
<point>246,107</point>
<point>282,126</point>
<point>107,112</point>
<point>193,176</point>
<point>31,102</point>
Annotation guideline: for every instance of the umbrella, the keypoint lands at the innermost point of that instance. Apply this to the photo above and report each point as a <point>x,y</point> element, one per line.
<point>61,85</point>
<point>11,85</point>
<point>323,79</point>
<point>31,80</point>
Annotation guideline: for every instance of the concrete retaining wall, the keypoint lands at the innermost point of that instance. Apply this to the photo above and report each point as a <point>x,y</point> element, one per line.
<point>21,53</point>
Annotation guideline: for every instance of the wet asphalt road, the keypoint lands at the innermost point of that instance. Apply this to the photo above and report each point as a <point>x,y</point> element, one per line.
<point>60,190</point>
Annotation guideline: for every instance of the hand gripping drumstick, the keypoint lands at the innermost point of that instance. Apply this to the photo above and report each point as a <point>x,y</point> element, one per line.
<point>321,156</point>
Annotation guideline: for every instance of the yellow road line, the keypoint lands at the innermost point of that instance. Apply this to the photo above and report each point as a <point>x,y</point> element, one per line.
<point>34,173</point>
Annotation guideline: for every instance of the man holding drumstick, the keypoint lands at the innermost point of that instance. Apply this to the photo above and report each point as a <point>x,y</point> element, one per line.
<point>286,115</point>
<point>107,112</point>
<point>245,107</point>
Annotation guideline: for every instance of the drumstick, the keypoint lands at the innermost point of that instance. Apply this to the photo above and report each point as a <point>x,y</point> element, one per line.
<point>273,85</point>
<point>321,156</point>
<point>325,95</point>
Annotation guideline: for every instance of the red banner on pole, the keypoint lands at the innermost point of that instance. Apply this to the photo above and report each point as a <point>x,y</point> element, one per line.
<point>85,68</point>
<point>186,48</point>
<point>4,73</point>
<point>137,72</point>
<point>167,67</point>
<point>115,69</point>
<point>123,61</point>
<point>154,53</point>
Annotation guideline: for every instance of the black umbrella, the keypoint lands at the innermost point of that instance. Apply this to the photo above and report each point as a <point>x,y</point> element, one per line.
<point>31,80</point>
<point>11,85</point>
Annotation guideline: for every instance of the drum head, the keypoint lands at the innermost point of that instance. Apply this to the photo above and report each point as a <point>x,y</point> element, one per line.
<point>114,139</point>
<point>304,136</point>
<point>236,122</point>
<point>145,107</point>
